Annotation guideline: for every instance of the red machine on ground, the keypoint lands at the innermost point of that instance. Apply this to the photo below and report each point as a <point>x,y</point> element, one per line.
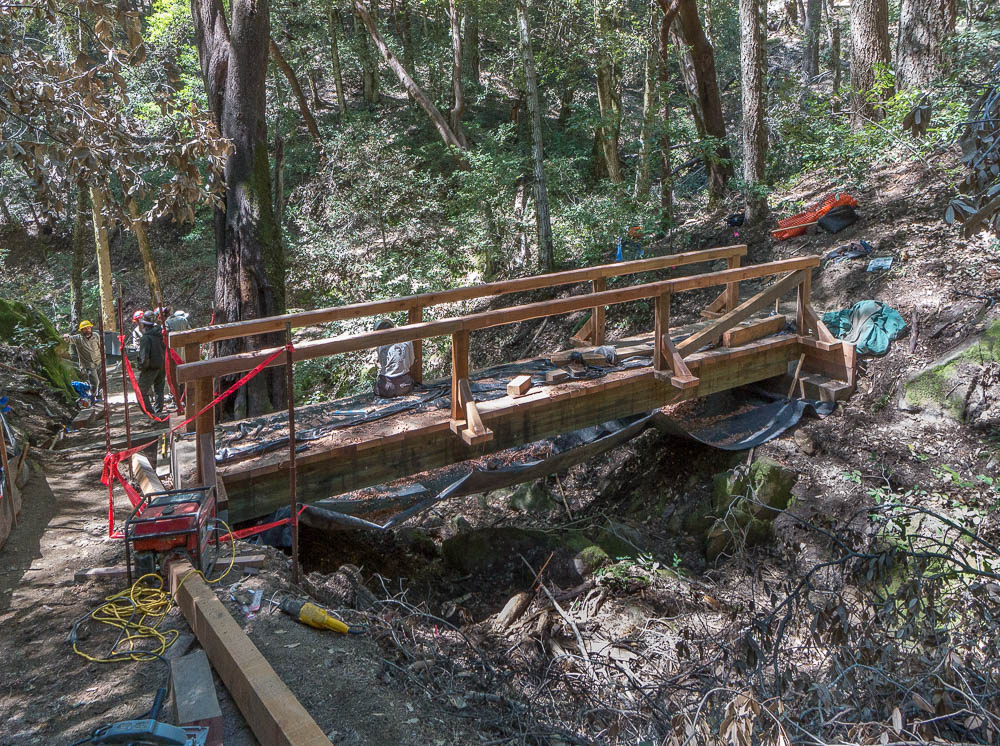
<point>178,523</point>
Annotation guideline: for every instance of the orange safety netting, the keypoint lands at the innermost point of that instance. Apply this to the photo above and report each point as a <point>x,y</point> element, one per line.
<point>796,225</point>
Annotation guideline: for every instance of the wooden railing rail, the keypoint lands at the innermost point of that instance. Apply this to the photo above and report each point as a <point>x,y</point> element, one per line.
<point>232,364</point>
<point>414,304</point>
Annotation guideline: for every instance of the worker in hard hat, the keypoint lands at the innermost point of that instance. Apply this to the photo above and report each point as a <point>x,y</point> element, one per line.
<point>177,321</point>
<point>394,363</point>
<point>152,373</point>
<point>88,357</point>
<point>136,329</point>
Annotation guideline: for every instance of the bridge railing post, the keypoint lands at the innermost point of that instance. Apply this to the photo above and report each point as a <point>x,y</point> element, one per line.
<point>599,285</point>
<point>416,315</point>
<point>733,288</point>
<point>204,426</point>
<point>661,328</point>
<point>459,371</point>
<point>802,303</point>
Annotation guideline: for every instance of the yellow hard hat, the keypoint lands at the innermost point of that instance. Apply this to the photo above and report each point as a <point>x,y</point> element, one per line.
<point>85,325</point>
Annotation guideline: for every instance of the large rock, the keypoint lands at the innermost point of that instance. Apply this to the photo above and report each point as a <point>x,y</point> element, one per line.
<point>772,486</point>
<point>490,549</point>
<point>947,387</point>
<point>23,326</point>
<point>532,498</point>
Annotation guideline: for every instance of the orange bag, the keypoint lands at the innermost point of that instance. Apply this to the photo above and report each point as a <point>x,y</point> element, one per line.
<point>796,225</point>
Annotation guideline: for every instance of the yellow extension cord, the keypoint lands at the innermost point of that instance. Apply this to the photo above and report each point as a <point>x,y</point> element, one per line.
<point>138,612</point>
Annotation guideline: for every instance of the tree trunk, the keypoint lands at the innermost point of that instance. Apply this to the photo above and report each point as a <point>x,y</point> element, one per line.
<point>146,253</point>
<point>458,94</point>
<point>752,67</point>
<point>250,282</point>
<point>565,104</point>
<point>643,175</point>
<point>440,123</point>
<point>406,36</point>
<point>300,97</point>
<point>924,27</point>
<point>609,101</point>
<point>833,29</point>
<point>869,49</point>
<point>717,160</point>
<point>810,41</point>
<point>792,12</point>
<point>317,101</point>
<point>103,259</point>
<point>369,64</point>
<point>279,177</point>
<point>543,226</point>
<point>333,21</point>
<point>666,177</point>
<point>79,256</point>
<point>472,40</point>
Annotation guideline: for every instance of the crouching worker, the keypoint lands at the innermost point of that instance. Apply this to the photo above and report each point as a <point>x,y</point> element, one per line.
<point>394,363</point>
<point>152,375</point>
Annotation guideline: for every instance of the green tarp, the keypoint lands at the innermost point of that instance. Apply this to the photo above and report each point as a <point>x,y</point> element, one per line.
<point>869,324</point>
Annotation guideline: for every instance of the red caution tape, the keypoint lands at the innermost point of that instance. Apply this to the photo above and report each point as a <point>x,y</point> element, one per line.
<point>135,384</point>
<point>254,530</point>
<point>111,472</point>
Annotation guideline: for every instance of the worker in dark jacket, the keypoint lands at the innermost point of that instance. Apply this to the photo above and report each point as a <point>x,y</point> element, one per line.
<point>152,374</point>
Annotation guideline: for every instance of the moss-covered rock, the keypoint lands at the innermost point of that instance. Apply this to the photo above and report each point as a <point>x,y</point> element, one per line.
<point>772,485</point>
<point>738,527</point>
<point>941,387</point>
<point>23,326</point>
<point>532,498</point>
<point>727,487</point>
<point>589,560</point>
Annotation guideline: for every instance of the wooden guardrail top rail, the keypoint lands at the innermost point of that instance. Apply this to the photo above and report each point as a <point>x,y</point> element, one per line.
<point>231,364</point>
<point>270,324</point>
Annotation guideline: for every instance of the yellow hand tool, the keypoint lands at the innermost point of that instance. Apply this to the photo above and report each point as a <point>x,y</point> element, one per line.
<point>312,615</point>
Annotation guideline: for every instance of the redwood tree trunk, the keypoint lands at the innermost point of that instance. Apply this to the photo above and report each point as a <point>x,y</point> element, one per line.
<point>643,174</point>
<point>542,223</point>
<point>251,265</point>
<point>869,49</point>
<point>663,69</point>
<point>706,94</point>
<point>472,40</point>
<point>752,67</point>
<point>609,101</point>
<point>924,27</point>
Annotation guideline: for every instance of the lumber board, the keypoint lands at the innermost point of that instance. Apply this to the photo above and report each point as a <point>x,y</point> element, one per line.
<point>424,300</point>
<point>714,332</point>
<point>754,330</point>
<point>239,363</point>
<point>273,713</point>
<point>145,474</point>
<point>518,385</point>
<point>556,376</point>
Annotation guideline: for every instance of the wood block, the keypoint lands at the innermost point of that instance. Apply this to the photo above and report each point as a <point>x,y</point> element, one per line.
<point>518,386</point>
<point>195,701</point>
<point>627,353</point>
<point>83,419</point>
<point>753,330</point>
<point>556,376</point>
<point>584,356</point>
<point>819,387</point>
<point>145,474</point>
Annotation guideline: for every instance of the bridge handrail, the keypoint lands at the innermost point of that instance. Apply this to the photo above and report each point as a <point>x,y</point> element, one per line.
<point>416,303</point>
<point>239,363</point>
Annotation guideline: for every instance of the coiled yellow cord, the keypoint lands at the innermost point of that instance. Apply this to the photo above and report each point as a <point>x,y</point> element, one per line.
<point>138,612</point>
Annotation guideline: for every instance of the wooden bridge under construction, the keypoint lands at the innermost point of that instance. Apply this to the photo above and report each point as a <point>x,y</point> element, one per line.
<point>736,341</point>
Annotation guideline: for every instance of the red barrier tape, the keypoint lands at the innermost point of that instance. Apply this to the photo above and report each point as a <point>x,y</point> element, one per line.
<point>173,357</point>
<point>254,530</point>
<point>111,473</point>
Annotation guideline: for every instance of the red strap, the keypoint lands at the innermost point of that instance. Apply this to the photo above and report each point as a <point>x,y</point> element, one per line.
<point>172,357</point>
<point>135,384</point>
<point>254,530</point>
<point>111,473</point>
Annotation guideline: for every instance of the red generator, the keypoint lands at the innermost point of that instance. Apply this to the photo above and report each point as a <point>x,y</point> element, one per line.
<point>175,523</point>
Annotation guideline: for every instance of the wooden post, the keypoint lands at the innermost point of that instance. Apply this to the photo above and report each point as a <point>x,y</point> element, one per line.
<point>597,317</point>
<point>661,329</point>
<point>125,384</point>
<point>104,380</point>
<point>417,371</point>
<point>191,354</point>
<point>459,371</point>
<point>805,290</point>
<point>733,288</point>
<point>8,492</point>
<point>292,498</point>
<point>205,424</point>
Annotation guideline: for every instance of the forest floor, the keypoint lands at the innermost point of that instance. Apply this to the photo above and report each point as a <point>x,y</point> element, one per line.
<point>663,643</point>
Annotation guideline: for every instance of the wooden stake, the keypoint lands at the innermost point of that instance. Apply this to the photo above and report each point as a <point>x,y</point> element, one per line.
<point>293,503</point>
<point>11,486</point>
<point>795,378</point>
<point>416,315</point>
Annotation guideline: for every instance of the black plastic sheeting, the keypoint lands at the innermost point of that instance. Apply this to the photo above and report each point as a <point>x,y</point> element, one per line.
<point>768,417</point>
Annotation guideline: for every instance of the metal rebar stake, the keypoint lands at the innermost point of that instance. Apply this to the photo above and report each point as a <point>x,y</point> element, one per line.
<point>125,384</point>
<point>292,499</point>
<point>104,383</point>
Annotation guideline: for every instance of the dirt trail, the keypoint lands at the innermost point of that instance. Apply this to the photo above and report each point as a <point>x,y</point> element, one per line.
<point>49,695</point>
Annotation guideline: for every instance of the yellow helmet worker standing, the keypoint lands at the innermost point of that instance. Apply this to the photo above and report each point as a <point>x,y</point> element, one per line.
<point>88,356</point>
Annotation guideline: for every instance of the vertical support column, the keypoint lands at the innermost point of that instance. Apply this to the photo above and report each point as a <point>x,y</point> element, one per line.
<point>417,371</point>
<point>203,425</point>
<point>125,384</point>
<point>459,371</point>
<point>600,284</point>
<point>661,328</point>
<point>191,353</point>
<point>804,291</point>
<point>733,288</point>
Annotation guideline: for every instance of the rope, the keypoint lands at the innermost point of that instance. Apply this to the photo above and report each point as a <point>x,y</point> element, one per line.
<point>137,613</point>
